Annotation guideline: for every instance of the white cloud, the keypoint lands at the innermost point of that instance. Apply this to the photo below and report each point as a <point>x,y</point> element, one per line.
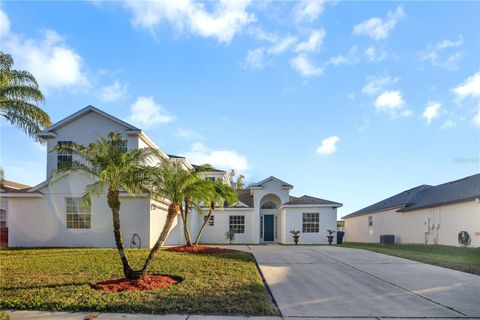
<point>378,28</point>
<point>476,118</point>
<point>261,34</point>
<point>432,111</point>
<point>282,45</point>
<point>146,113</point>
<point>49,59</point>
<point>434,53</point>
<point>189,134</point>
<point>393,103</point>
<point>448,124</point>
<point>313,43</point>
<point>255,59</point>
<point>375,84</point>
<point>305,67</point>
<point>469,88</point>
<point>350,58</point>
<point>225,19</point>
<point>4,23</point>
<point>221,159</point>
<point>328,145</point>
<point>389,100</point>
<point>308,10</point>
<point>113,92</point>
<point>375,55</point>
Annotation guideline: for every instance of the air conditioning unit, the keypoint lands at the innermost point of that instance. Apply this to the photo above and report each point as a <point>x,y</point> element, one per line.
<point>387,239</point>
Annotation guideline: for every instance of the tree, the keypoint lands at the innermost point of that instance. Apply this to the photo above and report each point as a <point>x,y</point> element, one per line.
<point>113,169</point>
<point>236,181</point>
<point>19,95</point>
<point>197,192</point>
<point>219,194</point>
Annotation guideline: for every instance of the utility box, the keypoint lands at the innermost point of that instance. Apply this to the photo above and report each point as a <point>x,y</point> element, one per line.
<point>387,239</point>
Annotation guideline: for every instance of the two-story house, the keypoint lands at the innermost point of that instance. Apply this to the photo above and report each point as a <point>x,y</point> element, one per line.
<point>52,215</point>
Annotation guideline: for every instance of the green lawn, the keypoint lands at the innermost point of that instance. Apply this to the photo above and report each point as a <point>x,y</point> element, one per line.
<point>58,279</point>
<point>463,259</point>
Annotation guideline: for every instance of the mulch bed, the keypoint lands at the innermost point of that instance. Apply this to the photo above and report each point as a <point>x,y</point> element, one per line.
<point>149,282</point>
<point>200,249</point>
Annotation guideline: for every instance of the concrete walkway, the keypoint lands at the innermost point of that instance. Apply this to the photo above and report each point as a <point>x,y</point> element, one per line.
<point>329,281</point>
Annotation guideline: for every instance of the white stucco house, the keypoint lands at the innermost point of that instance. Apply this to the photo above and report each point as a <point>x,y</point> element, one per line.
<point>51,215</point>
<point>424,215</point>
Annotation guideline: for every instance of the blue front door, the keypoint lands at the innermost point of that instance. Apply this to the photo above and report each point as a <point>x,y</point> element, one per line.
<point>268,226</point>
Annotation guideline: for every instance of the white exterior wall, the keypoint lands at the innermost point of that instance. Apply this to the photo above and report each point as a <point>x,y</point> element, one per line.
<point>216,233</point>
<point>293,220</point>
<point>41,222</point>
<point>409,227</point>
<point>84,131</point>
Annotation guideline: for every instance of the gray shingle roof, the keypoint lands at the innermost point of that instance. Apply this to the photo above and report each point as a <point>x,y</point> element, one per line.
<point>451,192</point>
<point>308,200</point>
<point>245,197</point>
<point>426,196</point>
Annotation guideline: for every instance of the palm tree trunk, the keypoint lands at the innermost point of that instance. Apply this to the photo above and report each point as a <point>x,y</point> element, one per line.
<point>114,204</point>
<point>172,213</point>
<point>199,234</point>
<point>186,228</point>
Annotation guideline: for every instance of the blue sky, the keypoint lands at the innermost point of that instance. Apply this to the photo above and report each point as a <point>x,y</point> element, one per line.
<point>348,101</point>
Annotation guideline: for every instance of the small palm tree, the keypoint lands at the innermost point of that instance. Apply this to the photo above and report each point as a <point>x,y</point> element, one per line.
<point>115,170</point>
<point>218,195</point>
<point>19,95</point>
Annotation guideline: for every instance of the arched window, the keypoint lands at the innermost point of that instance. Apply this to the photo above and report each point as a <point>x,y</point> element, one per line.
<point>269,205</point>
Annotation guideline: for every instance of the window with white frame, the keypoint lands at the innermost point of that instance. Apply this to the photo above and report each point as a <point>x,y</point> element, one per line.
<point>64,158</point>
<point>237,224</point>
<point>212,179</point>
<point>269,205</point>
<point>311,222</point>
<point>370,221</point>
<point>211,220</point>
<point>120,143</point>
<point>78,214</point>
<point>3,218</point>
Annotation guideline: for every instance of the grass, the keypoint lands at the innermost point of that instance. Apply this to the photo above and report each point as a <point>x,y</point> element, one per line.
<point>462,259</point>
<point>58,280</point>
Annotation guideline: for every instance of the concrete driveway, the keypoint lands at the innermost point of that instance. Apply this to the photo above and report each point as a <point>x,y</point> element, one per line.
<point>324,281</point>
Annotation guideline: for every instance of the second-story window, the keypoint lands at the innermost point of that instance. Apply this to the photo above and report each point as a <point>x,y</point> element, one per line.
<point>121,144</point>
<point>210,179</point>
<point>64,158</point>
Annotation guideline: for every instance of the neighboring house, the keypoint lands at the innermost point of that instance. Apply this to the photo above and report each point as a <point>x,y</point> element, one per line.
<point>425,214</point>
<point>7,186</point>
<point>52,214</point>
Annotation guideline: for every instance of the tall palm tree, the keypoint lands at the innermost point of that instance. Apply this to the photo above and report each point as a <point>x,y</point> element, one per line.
<point>182,188</point>
<point>19,95</point>
<point>220,193</point>
<point>114,170</point>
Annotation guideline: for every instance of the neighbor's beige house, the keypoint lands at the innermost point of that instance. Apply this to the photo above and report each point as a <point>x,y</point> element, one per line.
<point>425,214</point>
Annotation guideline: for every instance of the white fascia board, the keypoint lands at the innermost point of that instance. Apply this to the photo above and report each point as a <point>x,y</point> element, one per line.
<point>21,195</point>
<point>310,206</point>
<point>233,209</point>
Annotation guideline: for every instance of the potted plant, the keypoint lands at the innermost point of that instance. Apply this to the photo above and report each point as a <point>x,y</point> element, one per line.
<point>295,235</point>
<point>330,235</point>
<point>230,235</point>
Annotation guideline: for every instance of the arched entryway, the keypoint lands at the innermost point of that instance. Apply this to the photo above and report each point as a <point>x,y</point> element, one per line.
<point>269,217</point>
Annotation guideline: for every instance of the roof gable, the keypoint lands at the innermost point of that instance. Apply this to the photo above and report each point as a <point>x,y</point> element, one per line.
<point>283,183</point>
<point>50,131</point>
